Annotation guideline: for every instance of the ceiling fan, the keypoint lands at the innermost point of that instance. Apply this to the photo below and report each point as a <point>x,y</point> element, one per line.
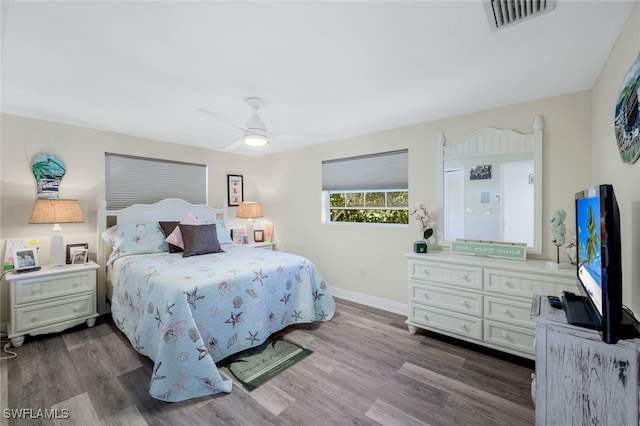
<point>255,133</point>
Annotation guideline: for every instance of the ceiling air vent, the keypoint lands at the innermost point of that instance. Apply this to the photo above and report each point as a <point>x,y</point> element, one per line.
<point>503,13</point>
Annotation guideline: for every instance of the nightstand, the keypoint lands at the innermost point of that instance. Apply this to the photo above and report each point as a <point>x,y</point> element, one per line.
<point>51,300</point>
<point>266,246</point>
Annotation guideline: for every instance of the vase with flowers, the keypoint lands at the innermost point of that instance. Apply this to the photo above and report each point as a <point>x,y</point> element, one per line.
<point>426,226</point>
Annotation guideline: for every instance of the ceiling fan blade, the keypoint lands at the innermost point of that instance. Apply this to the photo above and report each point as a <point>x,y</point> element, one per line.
<point>296,135</point>
<point>234,146</point>
<point>221,118</point>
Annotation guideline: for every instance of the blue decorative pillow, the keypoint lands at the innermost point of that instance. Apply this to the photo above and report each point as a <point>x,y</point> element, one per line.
<point>134,238</point>
<point>223,233</point>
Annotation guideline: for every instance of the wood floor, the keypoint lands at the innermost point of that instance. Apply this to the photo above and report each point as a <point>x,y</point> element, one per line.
<point>366,369</point>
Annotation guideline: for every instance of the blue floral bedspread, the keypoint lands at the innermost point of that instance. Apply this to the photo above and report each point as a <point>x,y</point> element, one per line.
<point>186,314</point>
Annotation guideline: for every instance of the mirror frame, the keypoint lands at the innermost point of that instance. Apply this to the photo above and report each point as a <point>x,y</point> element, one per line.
<point>492,142</point>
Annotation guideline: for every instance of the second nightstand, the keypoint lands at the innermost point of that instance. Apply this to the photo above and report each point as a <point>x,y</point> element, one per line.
<point>266,246</point>
<point>51,300</point>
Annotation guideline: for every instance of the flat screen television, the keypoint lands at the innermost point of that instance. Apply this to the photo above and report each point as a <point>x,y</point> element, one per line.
<point>599,266</point>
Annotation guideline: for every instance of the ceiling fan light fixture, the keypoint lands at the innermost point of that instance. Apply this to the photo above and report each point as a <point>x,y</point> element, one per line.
<point>255,140</point>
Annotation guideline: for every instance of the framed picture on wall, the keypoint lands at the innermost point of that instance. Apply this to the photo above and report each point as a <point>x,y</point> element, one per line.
<point>235,191</point>
<point>480,172</point>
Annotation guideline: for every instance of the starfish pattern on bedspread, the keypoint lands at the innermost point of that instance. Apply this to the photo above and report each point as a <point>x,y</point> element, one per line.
<point>192,297</point>
<point>235,318</point>
<point>260,277</point>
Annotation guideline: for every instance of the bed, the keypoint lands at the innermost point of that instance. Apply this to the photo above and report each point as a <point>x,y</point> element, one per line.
<point>188,311</point>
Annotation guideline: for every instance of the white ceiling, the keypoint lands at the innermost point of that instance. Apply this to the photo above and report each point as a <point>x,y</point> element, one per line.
<point>180,71</point>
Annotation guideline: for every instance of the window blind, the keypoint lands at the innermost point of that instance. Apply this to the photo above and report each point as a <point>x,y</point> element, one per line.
<point>139,180</point>
<point>385,170</point>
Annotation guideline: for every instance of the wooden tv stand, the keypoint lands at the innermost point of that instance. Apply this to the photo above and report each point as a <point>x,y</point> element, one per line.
<point>579,379</point>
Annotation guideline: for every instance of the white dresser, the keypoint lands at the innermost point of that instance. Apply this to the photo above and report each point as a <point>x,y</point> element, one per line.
<point>481,300</point>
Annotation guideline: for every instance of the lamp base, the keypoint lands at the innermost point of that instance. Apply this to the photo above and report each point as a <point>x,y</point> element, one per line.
<point>57,251</point>
<point>249,231</point>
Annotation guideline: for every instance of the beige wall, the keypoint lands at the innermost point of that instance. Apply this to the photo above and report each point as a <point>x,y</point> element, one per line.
<point>606,163</point>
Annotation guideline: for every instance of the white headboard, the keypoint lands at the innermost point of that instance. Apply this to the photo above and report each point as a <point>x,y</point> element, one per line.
<point>169,209</point>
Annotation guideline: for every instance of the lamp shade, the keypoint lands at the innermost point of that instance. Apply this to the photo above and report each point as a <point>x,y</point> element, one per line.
<point>57,211</point>
<point>249,210</point>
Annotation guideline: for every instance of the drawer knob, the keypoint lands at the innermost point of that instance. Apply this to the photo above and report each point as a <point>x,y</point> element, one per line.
<point>425,271</point>
<point>506,336</point>
<point>506,311</point>
<point>35,318</point>
<point>463,303</point>
<point>75,310</point>
<point>463,326</point>
<point>506,283</point>
<point>465,277</point>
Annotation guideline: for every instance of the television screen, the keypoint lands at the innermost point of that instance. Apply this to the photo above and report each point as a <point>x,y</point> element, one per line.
<point>589,229</point>
<point>599,266</point>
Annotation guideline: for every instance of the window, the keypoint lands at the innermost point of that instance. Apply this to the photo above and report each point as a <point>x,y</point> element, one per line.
<point>130,180</point>
<point>367,189</point>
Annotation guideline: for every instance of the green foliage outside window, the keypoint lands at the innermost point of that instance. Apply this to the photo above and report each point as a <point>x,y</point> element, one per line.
<point>369,207</point>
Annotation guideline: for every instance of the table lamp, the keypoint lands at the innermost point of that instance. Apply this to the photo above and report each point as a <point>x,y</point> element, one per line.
<point>250,211</point>
<point>57,211</point>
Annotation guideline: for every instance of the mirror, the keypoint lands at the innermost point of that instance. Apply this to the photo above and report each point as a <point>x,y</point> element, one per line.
<point>491,187</point>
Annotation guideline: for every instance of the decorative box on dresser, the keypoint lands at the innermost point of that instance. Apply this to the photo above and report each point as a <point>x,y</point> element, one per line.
<point>579,379</point>
<point>482,300</point>
<point>51,300</point>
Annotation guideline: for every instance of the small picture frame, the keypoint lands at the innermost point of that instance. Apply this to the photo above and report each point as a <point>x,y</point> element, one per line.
<point>237,234</point>
<point>235,190</point>
<point>80,257</point>
<point>480,172</point>
<point>25,259</point>
<point>72,248</point>
<point>258,235</point>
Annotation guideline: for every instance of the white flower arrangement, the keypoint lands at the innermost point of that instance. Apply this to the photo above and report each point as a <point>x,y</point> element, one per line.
<point>424,217</point>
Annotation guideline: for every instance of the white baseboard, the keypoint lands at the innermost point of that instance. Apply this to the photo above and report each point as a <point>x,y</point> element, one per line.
<point>374,302</point>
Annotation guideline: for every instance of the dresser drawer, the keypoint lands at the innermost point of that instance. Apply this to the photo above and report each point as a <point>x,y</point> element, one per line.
<point>510,336</point>
<point>461,276</point>
<point>42,314</point>
<point>449,299</point>
<point>508,311</point>
<point>33,290</point>
<point>436,319</point>
<point>525,285</point>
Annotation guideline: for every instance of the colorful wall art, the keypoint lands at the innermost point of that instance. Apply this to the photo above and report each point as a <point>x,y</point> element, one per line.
<point>627,122</point>
<point>48,171</point>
